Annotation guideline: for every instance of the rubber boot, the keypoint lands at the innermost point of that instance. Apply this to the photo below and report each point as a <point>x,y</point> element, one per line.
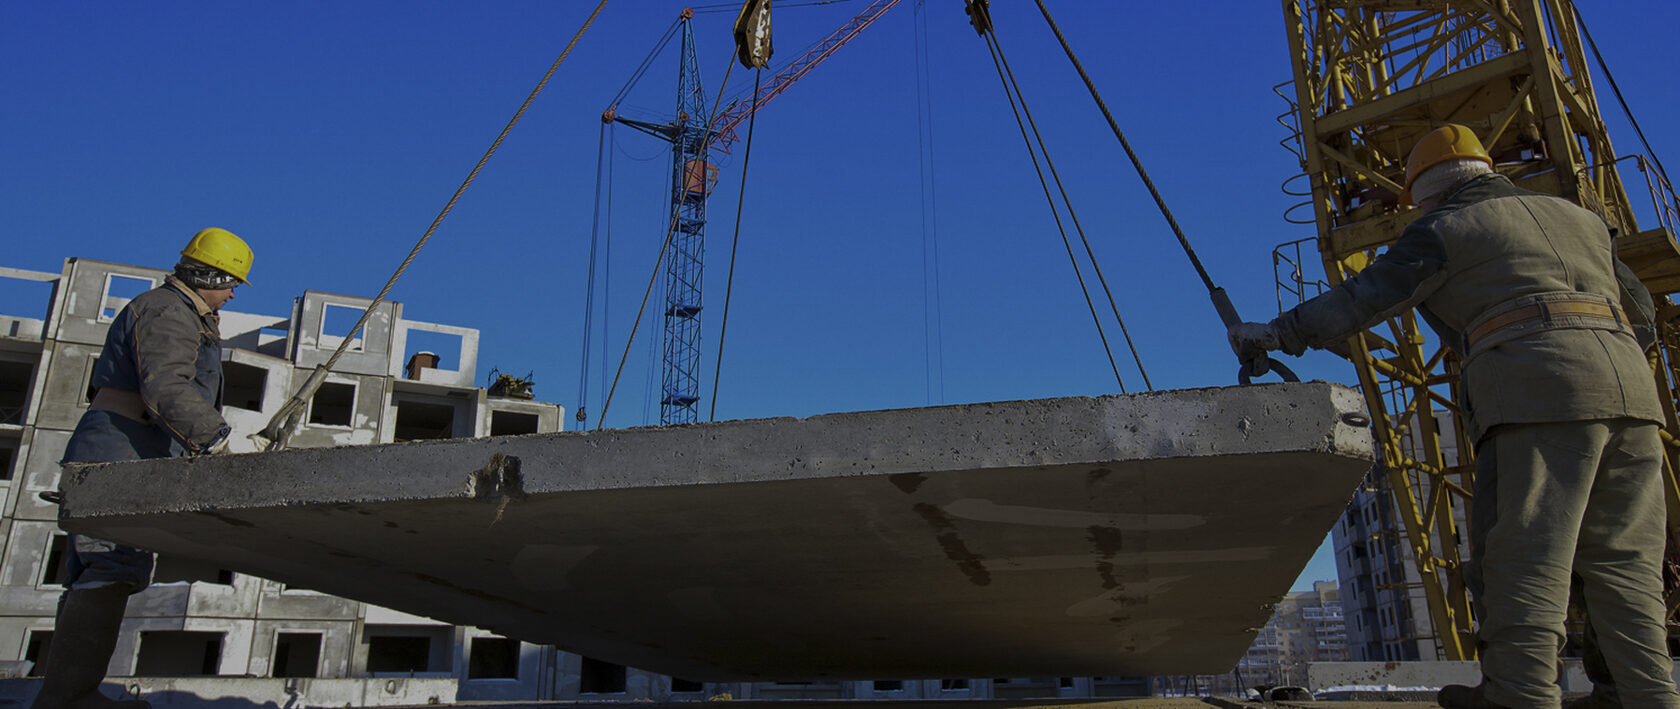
<point>82,644</point>
<point>1458,696</point>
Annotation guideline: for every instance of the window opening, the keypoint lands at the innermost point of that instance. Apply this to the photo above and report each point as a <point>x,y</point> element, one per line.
<point>493,658</point>
<point>601,677</point>
<point>443,346</point>
<point>336,321</point>
<point>334,404</point>
<point>399,653</point>
<point>175,569</point>
<point>296,655</point>
<point>52,572</point>
<point>243,385</point>
<point>37,649</point>
<point>14,391</point>
<point>512,423</point>
<point>8,453</point>
<point>422,420</point>
<point>178,653</point>
<point>119,290</point>
<point>953,685</point>
<point>87,379</point>
<point>686,686</point>
<point>889,685</point>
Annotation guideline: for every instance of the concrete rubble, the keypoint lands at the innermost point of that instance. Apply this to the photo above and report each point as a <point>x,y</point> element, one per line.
<point>1143,534</point>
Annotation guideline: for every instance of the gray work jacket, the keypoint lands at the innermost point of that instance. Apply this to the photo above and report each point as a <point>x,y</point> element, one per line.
<point>1488,243</point>
<point>167,345</point>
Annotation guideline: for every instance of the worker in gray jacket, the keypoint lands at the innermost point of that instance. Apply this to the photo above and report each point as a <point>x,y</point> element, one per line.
<point>1560,400</point>
<point>158,389</point>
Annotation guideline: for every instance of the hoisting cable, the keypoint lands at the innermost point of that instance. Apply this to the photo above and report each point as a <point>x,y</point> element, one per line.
<point>1602,66</point>
<point>279,429</point>
<point>636,326</point>
<point>1013,88</point>
<point>933,333</point>
<point>1259,364</point>
<point>1056,213</point>
<point>601,156</point>
<point>1078,227</point>
<point>734,243</point>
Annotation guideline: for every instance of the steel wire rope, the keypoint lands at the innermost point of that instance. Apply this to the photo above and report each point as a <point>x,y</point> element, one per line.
<point>729,280</point>
<point>1136,163</point>
<point>1085,240</point>
<point>603,154</point>
<point>670,232</point>
<point>933,329</point>
<point>1055,212</point>
<point>606,267</point>
<point>1090,253</point>
<point>1602,66</point>
<point>278,430</point>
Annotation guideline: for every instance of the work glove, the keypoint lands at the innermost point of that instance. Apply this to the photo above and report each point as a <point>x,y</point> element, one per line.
<point>218,444</point>
<point>1252,338</point>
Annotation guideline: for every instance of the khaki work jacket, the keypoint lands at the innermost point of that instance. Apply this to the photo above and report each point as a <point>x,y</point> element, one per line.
<point>1490,243</point>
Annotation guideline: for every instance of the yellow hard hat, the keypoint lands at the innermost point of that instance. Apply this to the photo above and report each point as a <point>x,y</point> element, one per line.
<point>1449,142</point>
<point>220,249</point>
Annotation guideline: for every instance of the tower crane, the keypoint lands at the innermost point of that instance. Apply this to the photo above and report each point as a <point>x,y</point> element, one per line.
<point>693,133</point>
<point>1368,81</point>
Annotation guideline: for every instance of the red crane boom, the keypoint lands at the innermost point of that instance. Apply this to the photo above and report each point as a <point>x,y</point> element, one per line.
<point>723,126</point>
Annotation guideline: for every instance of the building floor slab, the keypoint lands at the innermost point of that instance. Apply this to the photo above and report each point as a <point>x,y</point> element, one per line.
<point>1141,534</point>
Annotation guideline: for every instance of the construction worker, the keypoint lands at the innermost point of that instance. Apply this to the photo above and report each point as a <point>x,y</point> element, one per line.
<point>1561,403</point>
<point>158,391</point>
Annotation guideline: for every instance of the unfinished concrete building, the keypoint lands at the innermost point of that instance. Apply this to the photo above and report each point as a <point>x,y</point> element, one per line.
<point>401,380</point>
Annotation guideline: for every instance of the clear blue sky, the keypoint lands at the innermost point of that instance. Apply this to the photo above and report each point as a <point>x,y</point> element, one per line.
<point>329,134</point>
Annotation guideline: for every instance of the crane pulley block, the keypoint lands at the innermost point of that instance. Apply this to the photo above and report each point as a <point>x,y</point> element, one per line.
<point>752,34</point>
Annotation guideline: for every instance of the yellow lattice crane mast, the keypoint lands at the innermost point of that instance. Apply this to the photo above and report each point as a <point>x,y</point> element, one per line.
<point>1370,78</point>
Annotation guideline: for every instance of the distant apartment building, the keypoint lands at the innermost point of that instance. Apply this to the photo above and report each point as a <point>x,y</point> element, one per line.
<point>1383,597</point>
<point>1306,627</point>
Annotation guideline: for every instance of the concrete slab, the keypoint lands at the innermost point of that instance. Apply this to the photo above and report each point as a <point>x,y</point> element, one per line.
<point>1122,535</point>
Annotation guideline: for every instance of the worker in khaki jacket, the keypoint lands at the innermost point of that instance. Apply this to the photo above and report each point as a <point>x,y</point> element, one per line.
<point>1561,402</point>
<point>159,383</point>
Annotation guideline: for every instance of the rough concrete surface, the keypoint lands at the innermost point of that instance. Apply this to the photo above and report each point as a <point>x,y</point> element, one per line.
<point>1128,535</point>
<point>259,693</point>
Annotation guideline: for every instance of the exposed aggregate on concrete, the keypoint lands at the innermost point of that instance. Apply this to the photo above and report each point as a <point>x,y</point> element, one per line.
<point>1142,534</point>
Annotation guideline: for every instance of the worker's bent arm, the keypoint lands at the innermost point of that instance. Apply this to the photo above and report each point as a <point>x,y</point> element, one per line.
<point>1402,277</point>
<point>1636,302</point>
<point>166,346</point>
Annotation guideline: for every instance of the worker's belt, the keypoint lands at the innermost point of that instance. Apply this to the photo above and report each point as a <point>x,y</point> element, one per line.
<point>127,404</point>
<point>1527,315</point>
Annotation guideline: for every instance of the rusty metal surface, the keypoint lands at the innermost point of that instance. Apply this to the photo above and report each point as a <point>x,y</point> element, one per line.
<point>1125,535</point>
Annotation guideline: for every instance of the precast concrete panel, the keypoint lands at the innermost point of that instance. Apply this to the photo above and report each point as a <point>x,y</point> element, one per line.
<point>41,471</point>
<point>1123,535</point>
<point>96,292</point>
<point>316,338</point>
<point>64,398</point>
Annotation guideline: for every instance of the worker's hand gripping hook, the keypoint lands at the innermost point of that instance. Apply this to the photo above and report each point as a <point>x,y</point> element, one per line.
<point>1250,341</point>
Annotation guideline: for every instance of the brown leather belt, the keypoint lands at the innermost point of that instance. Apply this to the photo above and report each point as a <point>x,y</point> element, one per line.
<point>1543,312</point>
<point>127,404</point>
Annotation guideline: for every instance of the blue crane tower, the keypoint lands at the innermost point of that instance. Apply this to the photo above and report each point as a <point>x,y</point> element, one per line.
<point>692,133</point>
<point>692,178</point>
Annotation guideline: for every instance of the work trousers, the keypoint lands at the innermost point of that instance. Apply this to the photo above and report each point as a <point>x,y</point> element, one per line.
<point>1554,497</point>
<point>105,437</point>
